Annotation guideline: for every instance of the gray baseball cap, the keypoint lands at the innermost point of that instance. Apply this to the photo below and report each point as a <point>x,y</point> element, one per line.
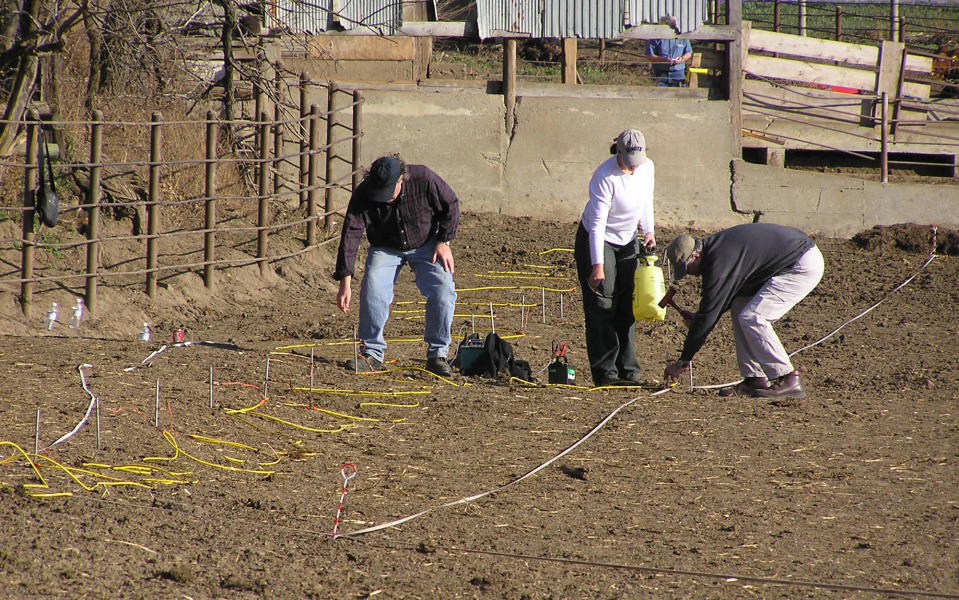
<point>631,148</point>
<point>678,253</point>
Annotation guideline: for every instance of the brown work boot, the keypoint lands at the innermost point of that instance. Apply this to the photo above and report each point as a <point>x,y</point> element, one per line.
<point>787,386</point>
<point>746,387</point>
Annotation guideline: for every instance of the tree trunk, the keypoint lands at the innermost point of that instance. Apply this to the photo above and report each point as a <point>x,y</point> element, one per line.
<point>226,40</point>
<point>23,85</point>
<point>94,69</point>
<point>17,104</point>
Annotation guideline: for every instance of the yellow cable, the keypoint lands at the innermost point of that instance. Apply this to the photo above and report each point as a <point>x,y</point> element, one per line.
<point>170,439</point>
<point>387,404</point>
<point>43,482</point>
<point>201,438</point>
<point>303,427</point>
<point>333,413</point>
<point>247,409</point>
<point>354,392</point>
<point>521,276</point>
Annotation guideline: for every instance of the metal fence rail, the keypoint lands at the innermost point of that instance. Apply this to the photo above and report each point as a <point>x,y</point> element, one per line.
<point>282,184</point>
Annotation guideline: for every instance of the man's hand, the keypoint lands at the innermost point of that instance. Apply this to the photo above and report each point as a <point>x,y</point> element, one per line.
<point>649,240</point>
<point>596,278</point>
<point>444,255</point>
<point>345,294</point>
<point>674,370</point>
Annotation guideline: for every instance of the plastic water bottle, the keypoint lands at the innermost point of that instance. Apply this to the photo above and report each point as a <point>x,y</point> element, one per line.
<point>77,315</point>
<point>51,320</point>
<point>145,333</point>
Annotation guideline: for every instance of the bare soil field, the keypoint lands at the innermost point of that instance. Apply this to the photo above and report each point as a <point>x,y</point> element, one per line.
<point>215,468</point>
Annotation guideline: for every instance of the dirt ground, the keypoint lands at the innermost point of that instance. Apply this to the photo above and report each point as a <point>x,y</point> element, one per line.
<point>852,492</point>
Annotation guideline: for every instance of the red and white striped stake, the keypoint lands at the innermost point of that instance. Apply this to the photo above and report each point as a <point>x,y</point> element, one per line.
<point>346,480</point>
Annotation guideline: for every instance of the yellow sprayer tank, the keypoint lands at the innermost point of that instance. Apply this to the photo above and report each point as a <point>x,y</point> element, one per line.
<point>649,287</point>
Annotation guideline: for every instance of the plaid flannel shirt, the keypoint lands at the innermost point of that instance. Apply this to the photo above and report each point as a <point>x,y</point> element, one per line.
<point>426,210</point>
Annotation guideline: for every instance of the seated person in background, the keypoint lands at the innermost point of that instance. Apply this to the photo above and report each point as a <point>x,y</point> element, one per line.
<point>669,57</point>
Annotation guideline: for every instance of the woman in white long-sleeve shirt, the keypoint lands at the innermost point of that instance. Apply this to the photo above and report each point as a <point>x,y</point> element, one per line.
<point>606,250</point>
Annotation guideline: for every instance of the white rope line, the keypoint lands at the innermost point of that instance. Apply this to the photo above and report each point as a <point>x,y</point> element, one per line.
<point>93,403</point>
<point>868,310</point>
<point>165,347</point>
<point>836,330</point>
<point>511,483</point>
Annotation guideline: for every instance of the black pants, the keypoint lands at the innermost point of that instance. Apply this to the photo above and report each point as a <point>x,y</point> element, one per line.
<point>609,310</point>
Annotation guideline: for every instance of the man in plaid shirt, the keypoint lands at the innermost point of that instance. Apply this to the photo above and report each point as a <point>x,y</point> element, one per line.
<point>410,217</point>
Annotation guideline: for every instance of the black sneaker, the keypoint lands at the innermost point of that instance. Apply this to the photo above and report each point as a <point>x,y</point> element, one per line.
<point>632,378</point>
<point>606,381</point>
<point>438,366</point>
<point>364,364</point>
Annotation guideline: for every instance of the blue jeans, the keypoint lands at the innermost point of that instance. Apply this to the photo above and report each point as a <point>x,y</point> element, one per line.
<point>376,294</point>
<point>671,79</point>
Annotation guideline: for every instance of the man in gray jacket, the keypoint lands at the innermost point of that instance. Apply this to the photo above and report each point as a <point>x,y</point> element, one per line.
<point>758,272</point>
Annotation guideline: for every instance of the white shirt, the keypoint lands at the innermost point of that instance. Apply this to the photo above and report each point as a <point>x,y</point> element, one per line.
<point>618,202</point>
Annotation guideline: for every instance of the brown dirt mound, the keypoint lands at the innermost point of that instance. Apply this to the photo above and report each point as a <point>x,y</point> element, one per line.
<point>909,237</point>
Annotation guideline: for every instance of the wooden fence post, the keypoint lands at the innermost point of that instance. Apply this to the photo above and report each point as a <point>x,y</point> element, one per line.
<point>894,21</point>
<point>93,210</point>
<point>209,214</point>
<point>259,99</point>
<point>357,137</point>
<point>278,133</point>
<point>153,218</point>
<point>29,202</point>
<point>312,192</point>
<point>509,81</point>
<point>801,17</point>
<point>305,146</point>
<point>330,154</point>
<point>736,52</point>
<point>883,136</point>
<point>569,61</point>
<point>838,23</point>
<point>263,208</point>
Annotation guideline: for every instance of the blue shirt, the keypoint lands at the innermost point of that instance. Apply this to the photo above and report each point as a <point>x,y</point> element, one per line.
<point>673,48</point>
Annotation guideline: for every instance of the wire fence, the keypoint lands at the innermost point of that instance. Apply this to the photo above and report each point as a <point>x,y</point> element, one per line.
<point>258,191</point>
<point>921,25</point>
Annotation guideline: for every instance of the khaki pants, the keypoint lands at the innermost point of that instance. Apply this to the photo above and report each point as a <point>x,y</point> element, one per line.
<point>758,349</point>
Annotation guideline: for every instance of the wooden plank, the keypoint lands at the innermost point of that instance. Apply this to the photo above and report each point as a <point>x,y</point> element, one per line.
<point>828,50</point>
<point>704,33</point>
<point>736,53</point>
<point>422,46</point>
<point>569,61</point>
<point>890,61</point>
<point>712,59</point>
<point>369,47</point>
<point>818,74</point>
<point>768,98</point>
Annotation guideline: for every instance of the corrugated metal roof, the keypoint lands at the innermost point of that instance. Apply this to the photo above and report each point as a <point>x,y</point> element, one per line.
<point>602,18</point>
<point>689,14</point>
<point>383,16</point>
<point>300,18</point>
<point>589,19</point>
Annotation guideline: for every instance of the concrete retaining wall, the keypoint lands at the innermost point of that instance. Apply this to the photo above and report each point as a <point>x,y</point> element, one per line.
<point>544,167</point>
